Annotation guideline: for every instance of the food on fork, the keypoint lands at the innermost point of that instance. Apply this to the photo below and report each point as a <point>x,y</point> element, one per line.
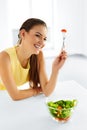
<point>64,31</point>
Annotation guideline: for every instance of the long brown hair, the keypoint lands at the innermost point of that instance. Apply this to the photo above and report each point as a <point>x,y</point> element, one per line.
<point>33,72</point>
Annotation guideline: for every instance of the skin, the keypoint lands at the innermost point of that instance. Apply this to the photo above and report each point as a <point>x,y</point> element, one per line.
<point>32,43</point>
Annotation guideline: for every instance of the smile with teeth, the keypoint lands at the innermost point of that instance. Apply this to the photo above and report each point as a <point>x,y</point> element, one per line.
<point>37,46</point>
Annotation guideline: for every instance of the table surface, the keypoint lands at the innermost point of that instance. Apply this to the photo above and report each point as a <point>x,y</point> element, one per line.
<point>32,113</point>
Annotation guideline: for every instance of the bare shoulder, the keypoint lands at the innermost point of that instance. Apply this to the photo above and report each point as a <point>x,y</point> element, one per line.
<point>4,57</point>
<point>41,56</point>
<point>41,59</point>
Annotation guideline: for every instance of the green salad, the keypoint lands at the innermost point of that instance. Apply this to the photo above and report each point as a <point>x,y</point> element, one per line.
<point>61,109</point>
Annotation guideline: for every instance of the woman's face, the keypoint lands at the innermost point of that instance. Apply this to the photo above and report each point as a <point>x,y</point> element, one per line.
<point>34,40</point>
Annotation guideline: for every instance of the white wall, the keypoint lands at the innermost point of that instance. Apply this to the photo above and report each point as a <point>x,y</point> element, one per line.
<point>3,25</point>
<point>69,15</point>
<point>85,27</point>
<point>12,14</point>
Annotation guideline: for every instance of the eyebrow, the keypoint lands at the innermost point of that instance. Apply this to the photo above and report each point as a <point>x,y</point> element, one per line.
<point>40,34</point>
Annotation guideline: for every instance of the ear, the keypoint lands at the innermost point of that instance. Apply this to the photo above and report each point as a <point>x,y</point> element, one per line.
<point>22,33</point>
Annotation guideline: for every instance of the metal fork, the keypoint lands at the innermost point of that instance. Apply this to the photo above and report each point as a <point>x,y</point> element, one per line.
<point>63,45</point>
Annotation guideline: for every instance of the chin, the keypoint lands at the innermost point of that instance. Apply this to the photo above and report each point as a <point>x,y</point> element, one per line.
<point>36,52</point>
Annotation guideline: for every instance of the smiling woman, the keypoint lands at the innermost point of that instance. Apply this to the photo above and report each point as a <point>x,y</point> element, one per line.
<point>25,62</point>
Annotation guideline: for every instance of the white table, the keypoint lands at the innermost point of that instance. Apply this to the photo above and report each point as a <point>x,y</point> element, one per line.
<point>32,114</point>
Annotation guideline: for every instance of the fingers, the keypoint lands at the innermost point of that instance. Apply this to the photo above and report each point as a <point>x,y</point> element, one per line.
<point>63,55</point>
<point>59,61</point>
<point>37,91</point>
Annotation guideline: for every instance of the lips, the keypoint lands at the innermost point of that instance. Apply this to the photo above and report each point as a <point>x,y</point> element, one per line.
<point>37,46</point>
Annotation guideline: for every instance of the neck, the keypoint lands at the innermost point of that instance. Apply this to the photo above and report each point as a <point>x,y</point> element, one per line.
<point>22,55</point>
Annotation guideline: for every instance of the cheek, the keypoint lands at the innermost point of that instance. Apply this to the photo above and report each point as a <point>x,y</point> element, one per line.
<point>36,39</point>
<point>33,39</point>
<point>43,45</point>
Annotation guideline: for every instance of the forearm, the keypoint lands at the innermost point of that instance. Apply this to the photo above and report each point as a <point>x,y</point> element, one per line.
<point>50,85</point>
<point>22,94</point>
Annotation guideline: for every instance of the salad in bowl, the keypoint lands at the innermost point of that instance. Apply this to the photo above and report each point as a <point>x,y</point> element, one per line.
<point>61,110</point>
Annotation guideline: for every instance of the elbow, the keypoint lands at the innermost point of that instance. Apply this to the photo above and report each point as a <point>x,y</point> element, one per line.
<point>15,97</point>
<point>47,94</point>
<point>46,91</point>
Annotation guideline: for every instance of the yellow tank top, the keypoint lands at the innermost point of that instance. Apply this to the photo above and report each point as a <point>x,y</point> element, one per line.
<point>20,74</point>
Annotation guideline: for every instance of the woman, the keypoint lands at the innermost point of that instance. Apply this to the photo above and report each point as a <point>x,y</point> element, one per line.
<point>25,62</point>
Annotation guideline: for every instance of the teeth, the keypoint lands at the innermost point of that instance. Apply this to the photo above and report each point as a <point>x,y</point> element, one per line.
<point>37,46</point>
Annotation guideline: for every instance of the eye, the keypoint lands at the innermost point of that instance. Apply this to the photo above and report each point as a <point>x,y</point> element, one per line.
<point>45,39</point>
<point>37,35</point>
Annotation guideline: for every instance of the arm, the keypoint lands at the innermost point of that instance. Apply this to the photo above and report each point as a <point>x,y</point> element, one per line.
<point>49,85</point>
<point>8,80</point>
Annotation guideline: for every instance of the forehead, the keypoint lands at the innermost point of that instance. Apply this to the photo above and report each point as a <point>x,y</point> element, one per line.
<point>39,28</point>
